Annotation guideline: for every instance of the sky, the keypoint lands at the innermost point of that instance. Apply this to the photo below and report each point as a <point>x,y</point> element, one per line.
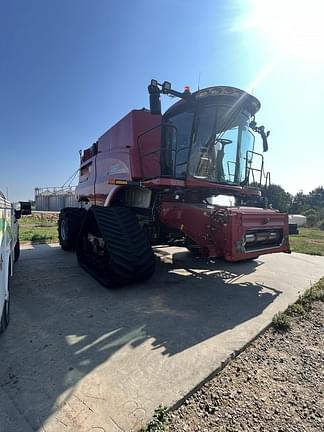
<point>70,69</point>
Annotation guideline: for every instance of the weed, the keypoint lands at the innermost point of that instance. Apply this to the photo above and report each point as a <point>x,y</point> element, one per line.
<point>158,422</point>
<point>281,322</point>
<point>295,309</point>
<point>314,293</point>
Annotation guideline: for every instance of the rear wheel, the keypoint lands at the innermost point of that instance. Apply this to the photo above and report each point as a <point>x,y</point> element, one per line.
<point>113,247</point>
<point>17,251</point>
<point>5,317</point>
<point>69,224</point>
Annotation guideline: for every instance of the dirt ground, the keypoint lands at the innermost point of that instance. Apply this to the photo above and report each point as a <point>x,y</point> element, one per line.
<point>275,385</point>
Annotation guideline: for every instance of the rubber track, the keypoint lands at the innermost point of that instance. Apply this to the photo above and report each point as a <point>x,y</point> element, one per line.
<point>131,258</point>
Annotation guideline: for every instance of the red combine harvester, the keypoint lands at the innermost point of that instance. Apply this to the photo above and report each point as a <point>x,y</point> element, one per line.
<point>188,178</point>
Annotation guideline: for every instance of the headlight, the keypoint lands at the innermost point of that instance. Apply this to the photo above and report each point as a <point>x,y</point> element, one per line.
<point>249,238</point>
<point>273,235</point>
<point>262,236</point>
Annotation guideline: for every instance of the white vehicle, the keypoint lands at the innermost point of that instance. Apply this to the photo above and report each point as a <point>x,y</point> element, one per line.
<point>299,220</point>
<point>9,252</point>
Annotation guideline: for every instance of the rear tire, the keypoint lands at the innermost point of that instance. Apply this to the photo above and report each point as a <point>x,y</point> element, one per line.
<point>69,223</point>
<point>17,251</point>
<point>5,317</point>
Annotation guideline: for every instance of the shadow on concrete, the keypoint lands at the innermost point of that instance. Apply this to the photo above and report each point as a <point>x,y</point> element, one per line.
<point>64,324</point>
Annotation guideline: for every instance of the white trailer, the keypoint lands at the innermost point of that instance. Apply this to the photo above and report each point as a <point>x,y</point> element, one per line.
<point>9,252</point>
<point>299,220</point>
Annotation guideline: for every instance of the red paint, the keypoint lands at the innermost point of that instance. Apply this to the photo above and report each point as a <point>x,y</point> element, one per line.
<point>123,154</point>
<point>218,231</point>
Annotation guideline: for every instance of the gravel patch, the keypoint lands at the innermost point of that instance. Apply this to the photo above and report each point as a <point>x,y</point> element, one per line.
<point>276,384</point>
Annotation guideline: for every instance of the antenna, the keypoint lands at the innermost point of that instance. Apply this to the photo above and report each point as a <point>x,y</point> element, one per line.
<point>199,81</point>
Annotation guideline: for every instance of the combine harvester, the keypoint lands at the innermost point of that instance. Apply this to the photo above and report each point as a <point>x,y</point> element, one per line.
<point>9,252</point>
<point>188,178</point>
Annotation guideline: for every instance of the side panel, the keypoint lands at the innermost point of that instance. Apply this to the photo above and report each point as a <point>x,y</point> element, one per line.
<point>119,157</point>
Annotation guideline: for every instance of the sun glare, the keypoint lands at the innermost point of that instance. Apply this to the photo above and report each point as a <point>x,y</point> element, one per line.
<point>293,27</point>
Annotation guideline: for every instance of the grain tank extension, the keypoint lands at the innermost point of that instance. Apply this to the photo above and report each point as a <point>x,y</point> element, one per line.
<point>188,178</point>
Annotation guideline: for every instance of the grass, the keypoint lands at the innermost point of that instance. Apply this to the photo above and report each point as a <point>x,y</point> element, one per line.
<point>282,320</point>
<point>38,229</point>
<point>309,241</point>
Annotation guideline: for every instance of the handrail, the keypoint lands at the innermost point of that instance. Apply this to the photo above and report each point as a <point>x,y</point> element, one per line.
<point>251,171</point>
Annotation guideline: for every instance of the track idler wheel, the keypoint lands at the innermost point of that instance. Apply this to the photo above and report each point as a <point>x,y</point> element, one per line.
<point>113,247</point>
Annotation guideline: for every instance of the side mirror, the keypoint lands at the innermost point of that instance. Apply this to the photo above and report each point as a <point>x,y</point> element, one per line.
<point>25,208</point>
<point>22,208</point>
<point>264,136</point>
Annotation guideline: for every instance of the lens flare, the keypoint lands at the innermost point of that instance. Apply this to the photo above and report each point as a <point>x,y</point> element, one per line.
<point>293,27</point>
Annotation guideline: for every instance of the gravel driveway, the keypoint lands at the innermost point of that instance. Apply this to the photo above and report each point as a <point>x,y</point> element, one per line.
<point>275,385</point>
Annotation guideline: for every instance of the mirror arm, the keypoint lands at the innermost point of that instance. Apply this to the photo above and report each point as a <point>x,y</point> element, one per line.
<point>260,130</point>
<point>264,136</point>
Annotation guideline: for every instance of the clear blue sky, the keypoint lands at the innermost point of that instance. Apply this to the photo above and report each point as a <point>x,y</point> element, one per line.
<point>71,68</point>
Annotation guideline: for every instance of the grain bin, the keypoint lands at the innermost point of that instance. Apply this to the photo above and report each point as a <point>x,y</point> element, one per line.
<point>55,198</point>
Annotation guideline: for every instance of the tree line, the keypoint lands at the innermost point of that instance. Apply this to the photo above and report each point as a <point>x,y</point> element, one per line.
<point>311,205</point>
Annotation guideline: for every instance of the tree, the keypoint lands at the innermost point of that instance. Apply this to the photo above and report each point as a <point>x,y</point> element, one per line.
<point>278,197</point>
<point>316,197</point>
<point>299,203</point>
<point>312,217</point>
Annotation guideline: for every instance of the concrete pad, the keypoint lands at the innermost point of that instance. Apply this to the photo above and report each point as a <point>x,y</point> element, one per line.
<point>11,419</point>
<point>79,357</point>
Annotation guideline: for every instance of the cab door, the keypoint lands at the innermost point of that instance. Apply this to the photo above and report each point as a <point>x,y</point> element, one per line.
<point>176,144</point>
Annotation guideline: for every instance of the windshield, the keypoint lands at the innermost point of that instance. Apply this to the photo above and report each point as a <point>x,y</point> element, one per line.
<point>220,141</point>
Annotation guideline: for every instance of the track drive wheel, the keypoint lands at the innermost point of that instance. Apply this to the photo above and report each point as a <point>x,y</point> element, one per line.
<point>113,247</point>
<point>69,224</point>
